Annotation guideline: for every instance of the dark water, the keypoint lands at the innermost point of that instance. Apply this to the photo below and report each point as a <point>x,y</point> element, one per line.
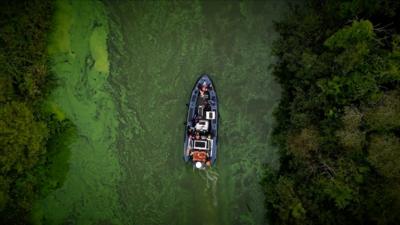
<point>156,50</point>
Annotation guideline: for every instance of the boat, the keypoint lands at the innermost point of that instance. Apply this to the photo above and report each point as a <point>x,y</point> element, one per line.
<point>201,126</point>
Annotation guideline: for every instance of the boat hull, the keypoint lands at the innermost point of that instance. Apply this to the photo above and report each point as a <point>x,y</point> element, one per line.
<point>193,113</point>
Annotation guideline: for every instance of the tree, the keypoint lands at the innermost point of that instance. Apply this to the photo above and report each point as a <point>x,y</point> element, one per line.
<point>384,155</point>
<point>385,115</point>
<point>304,144</point>
<point>350,136</point>
<point>22,141</point>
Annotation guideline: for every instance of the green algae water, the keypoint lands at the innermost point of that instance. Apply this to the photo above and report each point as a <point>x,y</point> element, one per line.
<point>79,60</point>
<point>126,70</point>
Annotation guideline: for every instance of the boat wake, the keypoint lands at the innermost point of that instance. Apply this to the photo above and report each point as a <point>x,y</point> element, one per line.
<point>211,178</point>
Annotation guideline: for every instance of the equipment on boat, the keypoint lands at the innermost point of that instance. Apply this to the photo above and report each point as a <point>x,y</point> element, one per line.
<point>201,132</point>
<point>198,165</point>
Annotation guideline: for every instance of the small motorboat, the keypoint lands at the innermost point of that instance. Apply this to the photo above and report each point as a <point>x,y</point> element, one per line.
<point>201,132</point>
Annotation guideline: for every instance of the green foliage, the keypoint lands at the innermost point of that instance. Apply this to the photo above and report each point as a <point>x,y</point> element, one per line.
<point>350,137</point>
<point>360,32</point>
<point>22,138</point>
<point>385,115</point>
<point>304,144</point>
<point>338,119</point>
<point>26,155</point>
<point>23,55</point>
<point>339,192</point>
<point>384,155</point>
<point>284,201</point>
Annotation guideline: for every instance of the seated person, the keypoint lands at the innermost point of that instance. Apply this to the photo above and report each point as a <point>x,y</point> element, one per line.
<point>196,119</point>
<point>207,106</point>
<point>203,133</point>
<point>204,90</point>
<point>190,131</point>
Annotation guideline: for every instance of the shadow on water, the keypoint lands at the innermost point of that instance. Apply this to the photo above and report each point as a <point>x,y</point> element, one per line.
<point>56,167</point>
<point>59,154</point>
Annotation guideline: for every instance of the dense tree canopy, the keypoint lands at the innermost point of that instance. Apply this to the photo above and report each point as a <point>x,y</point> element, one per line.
<point>25,126</point>
<point>338,120</point>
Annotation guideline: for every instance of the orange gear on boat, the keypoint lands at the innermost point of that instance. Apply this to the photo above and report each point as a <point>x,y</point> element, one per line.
<point>199,156</point>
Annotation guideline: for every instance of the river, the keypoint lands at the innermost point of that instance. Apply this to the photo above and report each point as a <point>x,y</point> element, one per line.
<point>126,69</point>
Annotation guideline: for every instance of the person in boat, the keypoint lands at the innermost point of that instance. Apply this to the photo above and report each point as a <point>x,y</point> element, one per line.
<point>207,106</point>
<point>197,136</point>
<point>195,120</point>
<point>204,89</point>
<point>191,131</point>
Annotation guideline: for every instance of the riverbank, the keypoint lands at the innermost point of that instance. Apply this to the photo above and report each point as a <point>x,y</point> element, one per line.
<point>25,126</point>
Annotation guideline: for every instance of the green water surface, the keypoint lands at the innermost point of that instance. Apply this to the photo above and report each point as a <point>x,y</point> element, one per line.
<point>126,69</point>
